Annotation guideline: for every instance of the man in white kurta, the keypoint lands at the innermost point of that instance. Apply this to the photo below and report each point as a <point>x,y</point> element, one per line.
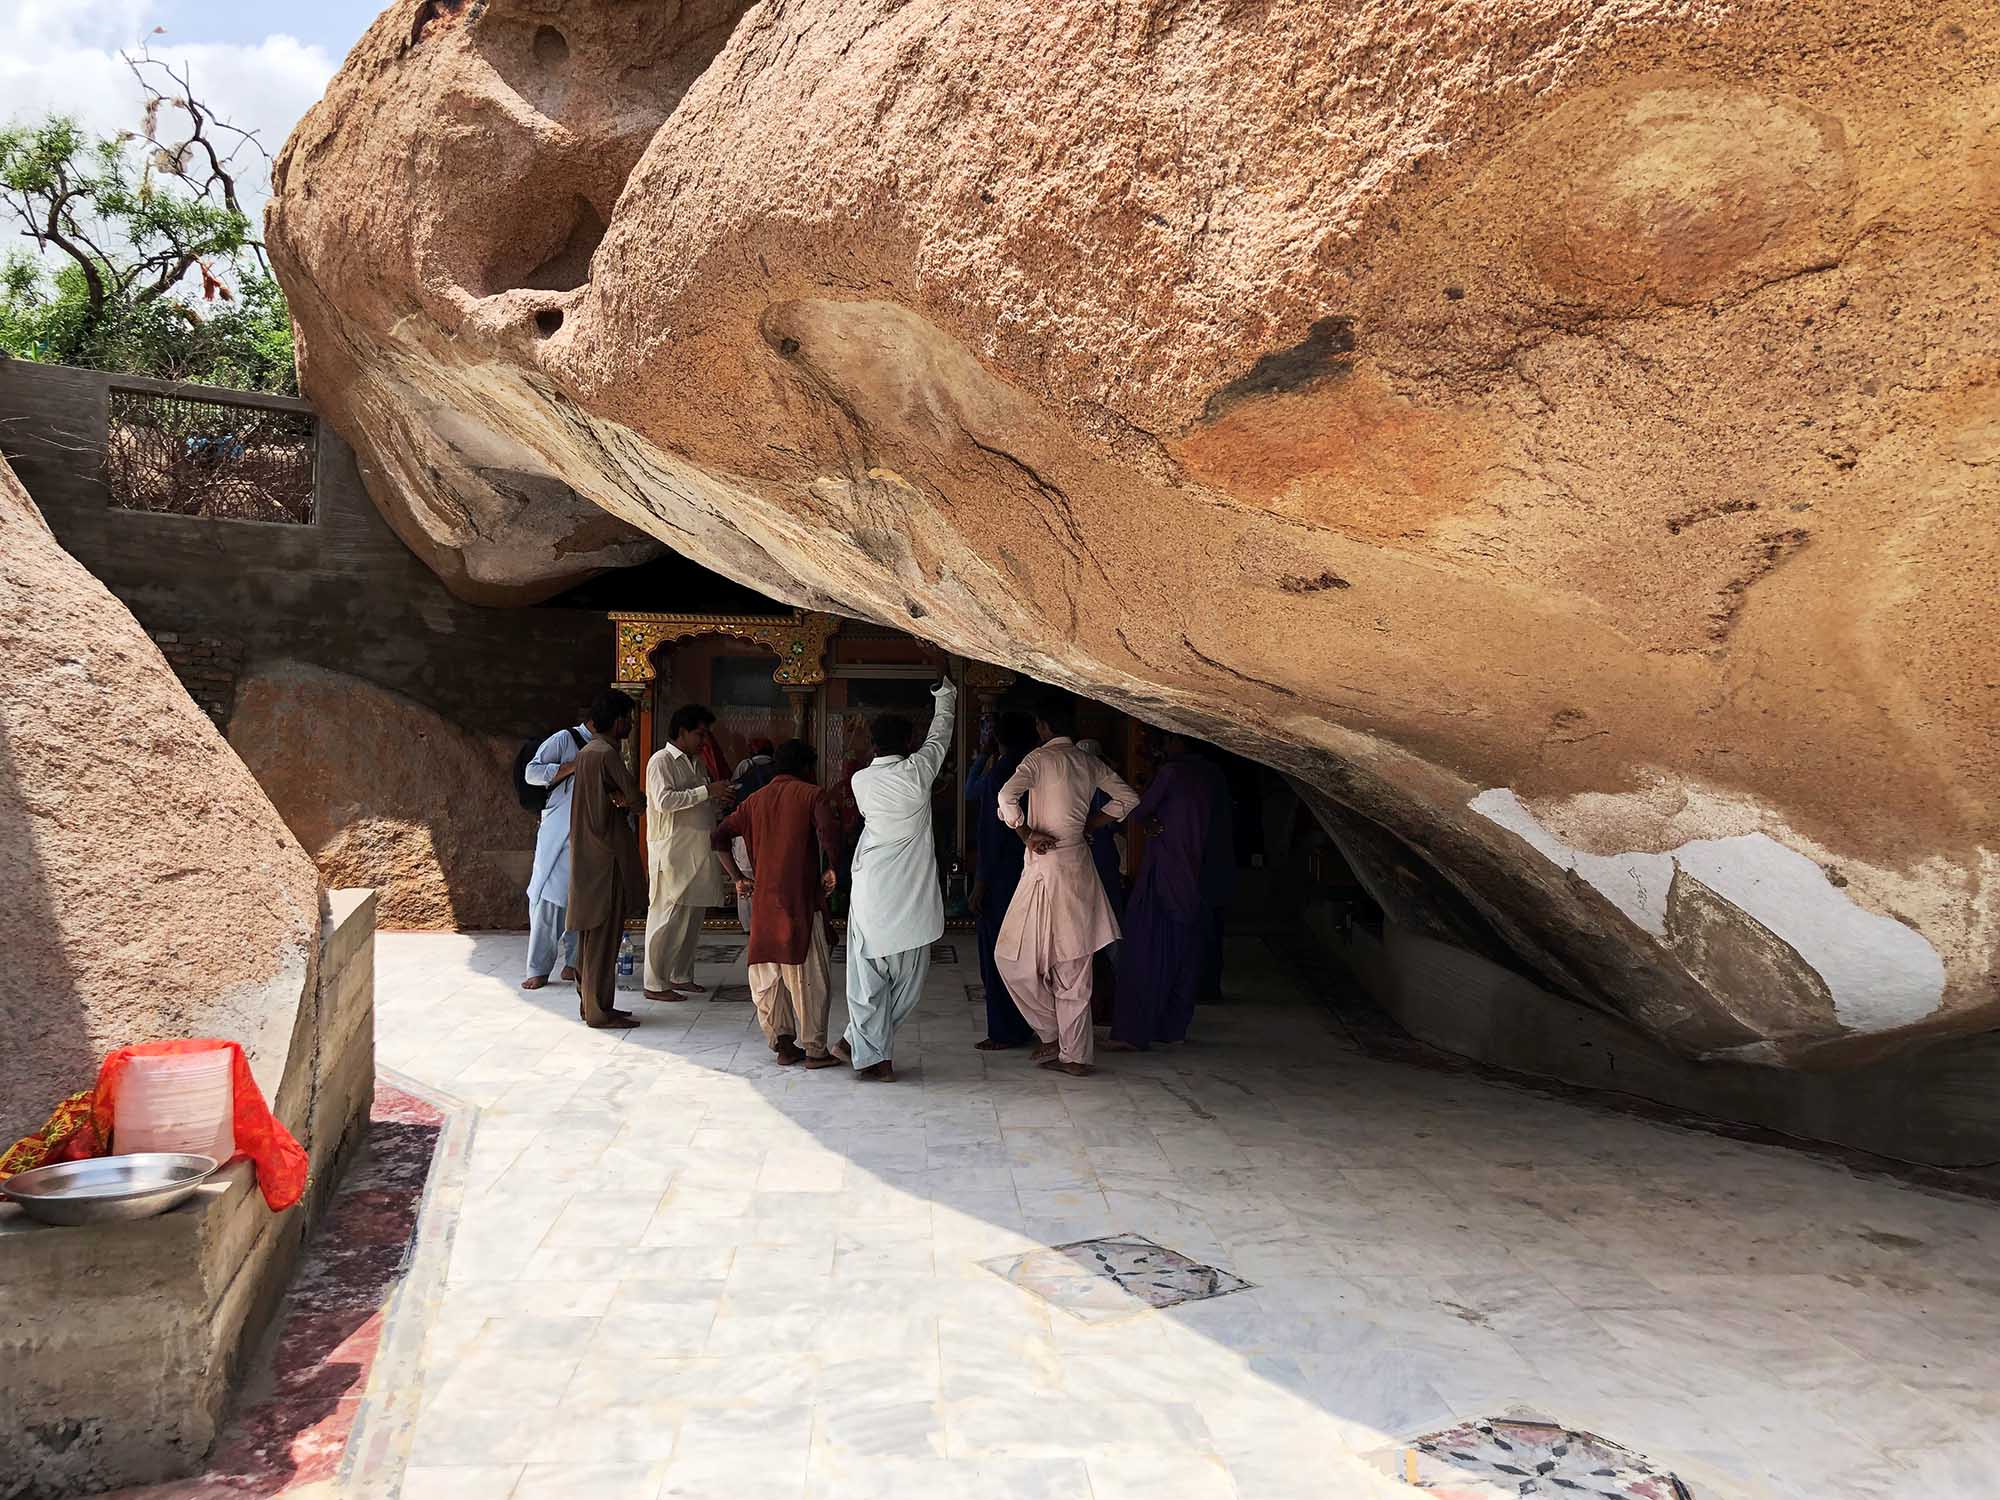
<point>553,764</point>
<point>681,806</point>
<point>896,910</point>
<point>1060,915</point>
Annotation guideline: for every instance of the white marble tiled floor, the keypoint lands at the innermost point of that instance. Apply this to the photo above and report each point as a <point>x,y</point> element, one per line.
<point>683,1271</point>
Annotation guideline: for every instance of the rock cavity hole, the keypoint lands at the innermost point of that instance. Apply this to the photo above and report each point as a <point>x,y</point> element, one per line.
<point>569,267</point>
<point>432,13</point>
<point>551,48</point>
<point>548,321</point>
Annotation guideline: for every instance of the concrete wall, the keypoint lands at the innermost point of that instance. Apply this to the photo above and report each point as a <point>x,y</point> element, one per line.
<point>343,593</point>
<point>1937,1106</point>
<point>120,1344</point>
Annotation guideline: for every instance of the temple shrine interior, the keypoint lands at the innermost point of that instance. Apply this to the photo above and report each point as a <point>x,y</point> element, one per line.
<point>770,672</point>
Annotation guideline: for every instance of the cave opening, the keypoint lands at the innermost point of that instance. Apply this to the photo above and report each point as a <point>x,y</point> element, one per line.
<point>1288,902</point>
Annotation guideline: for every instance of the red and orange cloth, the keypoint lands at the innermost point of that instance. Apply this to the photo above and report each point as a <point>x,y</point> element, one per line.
<point>69,1135</point>
<point>80,1128</point>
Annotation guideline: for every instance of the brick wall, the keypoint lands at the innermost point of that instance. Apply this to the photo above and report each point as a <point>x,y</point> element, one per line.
<point>208,667</point>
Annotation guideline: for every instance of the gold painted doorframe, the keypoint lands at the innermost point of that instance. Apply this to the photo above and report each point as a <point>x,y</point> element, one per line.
<point>798,640</point>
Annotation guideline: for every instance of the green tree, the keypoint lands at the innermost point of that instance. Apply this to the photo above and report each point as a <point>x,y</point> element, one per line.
<point>147,263</point>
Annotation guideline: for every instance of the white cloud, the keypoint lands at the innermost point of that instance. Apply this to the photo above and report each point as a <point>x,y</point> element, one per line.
<point>62,56</point>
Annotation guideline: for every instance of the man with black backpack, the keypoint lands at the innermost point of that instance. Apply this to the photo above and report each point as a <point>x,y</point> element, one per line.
<point>542,782</point>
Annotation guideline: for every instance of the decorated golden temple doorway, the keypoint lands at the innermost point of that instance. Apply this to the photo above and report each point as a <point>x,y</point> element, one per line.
<point>817,677</point>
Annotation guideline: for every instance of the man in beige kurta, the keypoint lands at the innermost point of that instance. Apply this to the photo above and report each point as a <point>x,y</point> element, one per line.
<point>606,877</point>
<point>1059,916</point>
<point>681,807</point>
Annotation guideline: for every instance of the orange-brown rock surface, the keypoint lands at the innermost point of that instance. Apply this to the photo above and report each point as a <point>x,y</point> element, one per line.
<point>149,889</point>
<point>1561,434</point>
<point>384,792</point>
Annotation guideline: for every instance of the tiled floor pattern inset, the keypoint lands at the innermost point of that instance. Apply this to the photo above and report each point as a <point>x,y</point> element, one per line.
<point>718,953</point>
<point>1505,1458</point>
<point>1114,1276</point>
<point>682,1271</point>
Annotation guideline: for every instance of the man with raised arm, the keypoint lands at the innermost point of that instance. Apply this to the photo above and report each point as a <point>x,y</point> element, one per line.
<point>896,911</point>
<point>1059,916</point>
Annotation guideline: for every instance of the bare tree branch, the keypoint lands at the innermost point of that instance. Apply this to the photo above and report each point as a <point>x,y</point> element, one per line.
<point>220,176</point>
<point>55,231</point>
<point>169,277</point>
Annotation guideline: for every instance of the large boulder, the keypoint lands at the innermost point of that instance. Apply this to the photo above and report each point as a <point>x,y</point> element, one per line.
<point>384,792</point>
<point>149,889</point>
<point>1559,435</point>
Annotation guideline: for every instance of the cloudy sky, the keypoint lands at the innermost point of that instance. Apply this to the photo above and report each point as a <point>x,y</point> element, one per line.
<point>258,63</point>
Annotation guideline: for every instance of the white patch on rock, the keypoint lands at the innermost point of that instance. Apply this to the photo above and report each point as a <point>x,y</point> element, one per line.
<point>1634,883</point>
<point>1880,973</point>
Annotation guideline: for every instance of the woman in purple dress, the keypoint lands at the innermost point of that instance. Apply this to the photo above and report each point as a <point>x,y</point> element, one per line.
<point>1160,961</point>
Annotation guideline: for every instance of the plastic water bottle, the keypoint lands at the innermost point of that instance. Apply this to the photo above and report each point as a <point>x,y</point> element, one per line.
<point>627,957</point>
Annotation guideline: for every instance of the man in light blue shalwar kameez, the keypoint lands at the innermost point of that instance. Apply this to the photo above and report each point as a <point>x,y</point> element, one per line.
<point>896,911</point>
<point>548,886</point>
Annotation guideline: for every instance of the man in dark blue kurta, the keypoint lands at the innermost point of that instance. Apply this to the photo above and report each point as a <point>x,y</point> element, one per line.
<point>1104,853</point>
<point>1104,847</point>
<point>997,856</point>
<point>1160,963</point>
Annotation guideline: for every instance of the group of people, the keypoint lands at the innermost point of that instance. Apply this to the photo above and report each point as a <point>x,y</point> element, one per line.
<point>1045,905</point>
<point>1049,896</point>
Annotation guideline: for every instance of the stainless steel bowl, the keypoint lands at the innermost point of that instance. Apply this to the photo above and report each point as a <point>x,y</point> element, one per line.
<point>109,1188</point>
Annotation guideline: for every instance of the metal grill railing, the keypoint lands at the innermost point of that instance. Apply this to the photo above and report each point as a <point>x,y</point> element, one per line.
<point>189,457</point>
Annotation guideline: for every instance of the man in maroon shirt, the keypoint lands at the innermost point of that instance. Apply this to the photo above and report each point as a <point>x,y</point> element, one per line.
<point>791,830</point>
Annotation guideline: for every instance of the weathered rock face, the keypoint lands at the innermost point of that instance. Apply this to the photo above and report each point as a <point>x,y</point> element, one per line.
<point>1561,435</point>
<point>383,792</point>
<point>149,890</point>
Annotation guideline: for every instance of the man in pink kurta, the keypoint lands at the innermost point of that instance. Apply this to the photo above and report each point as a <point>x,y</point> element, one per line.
<point>1060,915</point>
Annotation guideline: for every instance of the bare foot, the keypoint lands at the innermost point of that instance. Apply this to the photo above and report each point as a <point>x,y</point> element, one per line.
<point>821,1062</point>
<point>613,1023</point>
<point>685,986</point>
<point>788,1054</point>
<point>569,973</point>
<point>1074,1069</point>
<point>1112,1044</point>
<point>1044,1052</point>
<point>882,1072</point>
<point>663,995</point>
<point>841,1050</point>
<point>783,1040</point>
<point>533,983</point>
<point>989,1045</point>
